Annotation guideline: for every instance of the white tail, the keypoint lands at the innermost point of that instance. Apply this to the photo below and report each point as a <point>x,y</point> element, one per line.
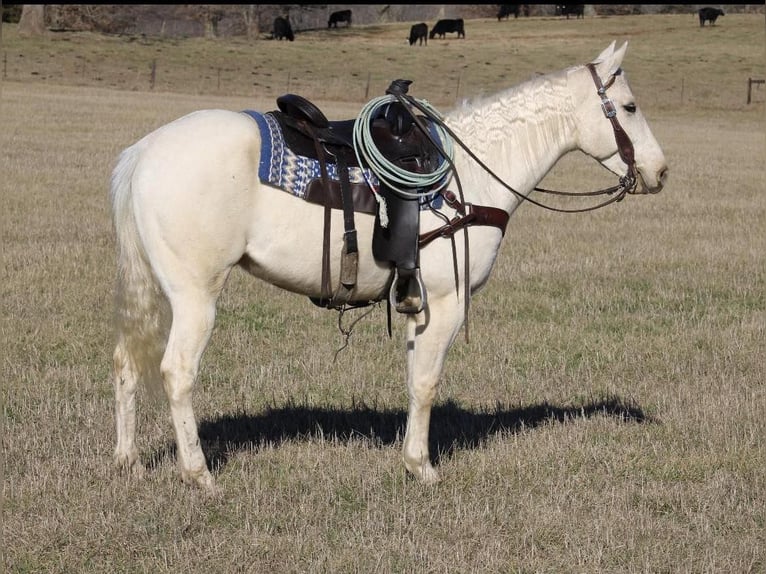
<point>141,309</point>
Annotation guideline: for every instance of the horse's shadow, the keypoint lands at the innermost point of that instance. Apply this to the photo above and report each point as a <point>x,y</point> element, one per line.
<point>454,427</point>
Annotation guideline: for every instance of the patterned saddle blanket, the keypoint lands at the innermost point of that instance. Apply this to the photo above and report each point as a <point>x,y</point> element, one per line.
<point>281,167</point>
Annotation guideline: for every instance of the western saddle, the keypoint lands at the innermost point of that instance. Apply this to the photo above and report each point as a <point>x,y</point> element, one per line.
<point>307,132</point>
<point>400,137</point>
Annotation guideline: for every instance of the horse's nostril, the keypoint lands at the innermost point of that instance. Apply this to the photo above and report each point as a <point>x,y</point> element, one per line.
<point>662,177</point>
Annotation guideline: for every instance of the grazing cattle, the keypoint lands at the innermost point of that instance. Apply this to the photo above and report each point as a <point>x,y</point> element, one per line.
<point>339,16</point>
<point>419,32</point>
<point>282,29</point>
<point>506,10</point>
<point>443,27</point>
<point>709,14</point>
<point>567,10</point>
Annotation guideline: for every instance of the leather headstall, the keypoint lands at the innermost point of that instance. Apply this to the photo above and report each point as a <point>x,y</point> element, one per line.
<point>624,145</point>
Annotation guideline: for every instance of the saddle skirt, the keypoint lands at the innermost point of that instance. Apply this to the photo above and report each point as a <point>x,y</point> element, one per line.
<point>281,167</point>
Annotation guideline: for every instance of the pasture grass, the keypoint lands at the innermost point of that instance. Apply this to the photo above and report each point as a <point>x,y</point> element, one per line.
<point>606,414</point>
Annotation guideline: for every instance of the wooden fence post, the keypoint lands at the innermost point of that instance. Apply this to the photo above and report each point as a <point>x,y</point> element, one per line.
<point>750,82</point>
<point>153,75</point>
<point>682,91</point>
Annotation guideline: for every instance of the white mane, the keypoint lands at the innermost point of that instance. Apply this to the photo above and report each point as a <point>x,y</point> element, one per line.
<point>515,131</point>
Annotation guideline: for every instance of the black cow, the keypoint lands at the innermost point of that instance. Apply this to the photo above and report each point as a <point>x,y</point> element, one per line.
<point>709,14</point>
<point>282,29</point>
<point>570,10</point>
<point>443,27</point>
<point>419,32</point>
<point>506,10</point>
<point>339,16</point>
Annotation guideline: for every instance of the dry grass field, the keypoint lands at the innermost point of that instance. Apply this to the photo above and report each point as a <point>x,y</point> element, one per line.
<point>607,414</point>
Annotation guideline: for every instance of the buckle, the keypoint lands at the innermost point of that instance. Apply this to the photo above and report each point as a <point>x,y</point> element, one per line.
<point>609,110</point>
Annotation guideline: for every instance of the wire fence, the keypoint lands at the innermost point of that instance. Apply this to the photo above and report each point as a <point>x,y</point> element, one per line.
<point>235,80</point>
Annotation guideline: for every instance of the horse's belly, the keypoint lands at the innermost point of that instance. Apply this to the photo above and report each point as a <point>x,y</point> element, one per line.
<point>286,239</point>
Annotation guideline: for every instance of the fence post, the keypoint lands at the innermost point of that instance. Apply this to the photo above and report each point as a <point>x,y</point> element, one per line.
<point>153,75</point>
<point>750,82</point>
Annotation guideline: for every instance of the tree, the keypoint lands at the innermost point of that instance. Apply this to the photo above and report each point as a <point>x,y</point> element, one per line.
<point>32,20</point>
<point>251,14</point>
<point>210,15</point>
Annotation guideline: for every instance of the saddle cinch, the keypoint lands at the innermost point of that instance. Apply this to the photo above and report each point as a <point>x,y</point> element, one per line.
<point>307,132</point>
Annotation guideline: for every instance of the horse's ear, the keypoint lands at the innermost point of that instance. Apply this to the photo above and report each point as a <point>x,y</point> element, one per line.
<point>606,54</point>
<point>612,61</point>
<point>618,57</point>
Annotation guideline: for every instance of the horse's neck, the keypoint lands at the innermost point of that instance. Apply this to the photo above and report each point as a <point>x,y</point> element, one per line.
<point>519,134</point>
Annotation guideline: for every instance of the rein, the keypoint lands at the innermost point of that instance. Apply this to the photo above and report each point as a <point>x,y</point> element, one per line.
<point>627,183</point>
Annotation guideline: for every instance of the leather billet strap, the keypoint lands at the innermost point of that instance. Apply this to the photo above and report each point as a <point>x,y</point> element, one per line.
<point>326,282</point>
<point>624,145</point>
<point>349,257</point>
<point>469,215</point>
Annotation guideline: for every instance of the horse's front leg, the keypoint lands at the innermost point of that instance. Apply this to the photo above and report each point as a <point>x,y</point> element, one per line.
<point>429,336</point>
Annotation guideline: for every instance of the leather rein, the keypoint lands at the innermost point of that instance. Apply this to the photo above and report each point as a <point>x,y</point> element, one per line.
<point>627,183</point>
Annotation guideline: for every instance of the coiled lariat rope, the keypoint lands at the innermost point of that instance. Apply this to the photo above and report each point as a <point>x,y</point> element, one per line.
<point>408,184</point>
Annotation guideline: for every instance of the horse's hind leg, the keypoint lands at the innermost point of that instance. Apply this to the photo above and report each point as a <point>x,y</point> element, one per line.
<point>141,332</point>
<point>193,318</point>
<point>125,384</point>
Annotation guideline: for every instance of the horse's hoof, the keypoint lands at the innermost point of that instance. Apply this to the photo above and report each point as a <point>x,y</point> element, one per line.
<point>429,475</point>
<point>424,472</point>
<point>129,464</point>
<point>201,479</point>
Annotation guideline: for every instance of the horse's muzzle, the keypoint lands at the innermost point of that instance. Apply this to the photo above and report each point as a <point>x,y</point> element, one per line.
<point>661,179</point>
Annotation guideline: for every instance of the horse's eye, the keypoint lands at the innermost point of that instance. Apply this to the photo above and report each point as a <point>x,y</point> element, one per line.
<point>630,108</point>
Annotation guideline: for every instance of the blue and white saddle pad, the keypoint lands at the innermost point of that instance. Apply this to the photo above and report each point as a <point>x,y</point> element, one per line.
<point>281,167</point>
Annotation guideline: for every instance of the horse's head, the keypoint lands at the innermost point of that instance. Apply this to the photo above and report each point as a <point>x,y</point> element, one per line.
<point>610,125</point>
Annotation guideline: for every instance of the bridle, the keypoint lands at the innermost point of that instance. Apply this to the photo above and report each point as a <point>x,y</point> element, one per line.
<point>624,145</point>
<point>627,183</point>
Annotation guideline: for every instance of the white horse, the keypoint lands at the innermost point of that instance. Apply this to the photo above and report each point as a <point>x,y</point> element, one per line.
<point>188,206</point>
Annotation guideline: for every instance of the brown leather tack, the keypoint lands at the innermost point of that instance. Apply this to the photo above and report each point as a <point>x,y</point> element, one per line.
<point>363,198</point>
